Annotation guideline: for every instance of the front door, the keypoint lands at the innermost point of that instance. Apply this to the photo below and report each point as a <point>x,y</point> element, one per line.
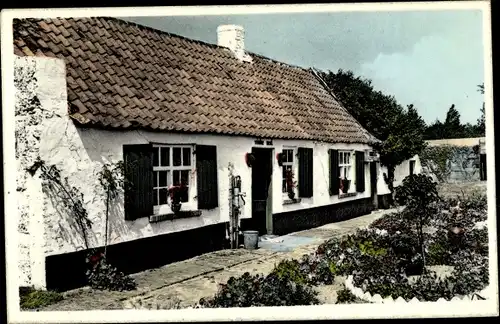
<point>261,190</point>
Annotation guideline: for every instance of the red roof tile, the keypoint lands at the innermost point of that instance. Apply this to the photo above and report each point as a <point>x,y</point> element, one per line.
<point>123,75</point>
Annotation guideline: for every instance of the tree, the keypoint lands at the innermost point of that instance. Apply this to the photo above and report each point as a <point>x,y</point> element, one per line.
<point>400,130</point>
<point>481,122</point>
<point>452,126</point>
<point>435,131</point>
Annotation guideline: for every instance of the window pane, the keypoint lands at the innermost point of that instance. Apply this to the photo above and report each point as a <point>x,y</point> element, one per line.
<point>155,196</point>
<point>177,178</point>
<point>341,158</point>
<point>162,178</point>
<point>177,156</point>
<point>349,158</point>
<point>155,175</point>
<point>290,156</point>
<point>155,156</point>
<point>284,172</point>
<point>284,156</point>
<point>186,156</point>
<point>184,194</point>
<point>283,186</point>
<point>185,177</point>
<point>163,196</point>
<point>165,156</point>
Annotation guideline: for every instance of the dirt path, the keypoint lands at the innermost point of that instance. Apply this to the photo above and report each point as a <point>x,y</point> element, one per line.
<point>182,284</point>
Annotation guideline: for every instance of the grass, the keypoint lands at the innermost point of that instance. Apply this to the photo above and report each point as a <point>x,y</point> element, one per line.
<point>32,298</point>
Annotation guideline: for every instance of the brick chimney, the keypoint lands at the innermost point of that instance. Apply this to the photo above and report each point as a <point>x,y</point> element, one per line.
<point>233,38</point>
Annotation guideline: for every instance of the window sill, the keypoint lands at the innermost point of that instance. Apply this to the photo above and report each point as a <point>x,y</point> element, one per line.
<point>172,216</point>
<point>291,201</point>
<point>348,194</point>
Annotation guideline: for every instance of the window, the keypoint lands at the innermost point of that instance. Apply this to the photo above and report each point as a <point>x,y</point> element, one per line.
<point>345,165</point>
<point>172,165</point>
<point>287,160</point>
<point>151,169</point>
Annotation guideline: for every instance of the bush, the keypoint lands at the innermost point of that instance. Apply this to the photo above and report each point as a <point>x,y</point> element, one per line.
<point>290,270</point>
<point>103,276</point>
<point>345,296</point>
<point>257,290</point>
<point>417,190</point>
<point>31,298</point>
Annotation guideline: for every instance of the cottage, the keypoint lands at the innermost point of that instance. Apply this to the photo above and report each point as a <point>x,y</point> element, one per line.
<point>213,139</point>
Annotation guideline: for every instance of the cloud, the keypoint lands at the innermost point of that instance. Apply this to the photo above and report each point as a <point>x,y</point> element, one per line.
<point>440,70</point>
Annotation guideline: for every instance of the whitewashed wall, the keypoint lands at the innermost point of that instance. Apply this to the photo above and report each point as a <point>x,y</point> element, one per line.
<point>401,171</point>
<point>80,154</point>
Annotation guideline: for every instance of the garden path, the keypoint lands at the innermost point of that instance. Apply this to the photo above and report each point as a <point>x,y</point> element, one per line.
<point>184,283</point>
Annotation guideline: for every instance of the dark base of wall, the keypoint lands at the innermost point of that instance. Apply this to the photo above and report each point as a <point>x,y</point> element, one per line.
<point>67,271</point>
<point>385,201</point>
<point>284,223</point>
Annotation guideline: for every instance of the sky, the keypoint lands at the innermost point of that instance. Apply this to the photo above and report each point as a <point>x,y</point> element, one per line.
<point>431,59</point>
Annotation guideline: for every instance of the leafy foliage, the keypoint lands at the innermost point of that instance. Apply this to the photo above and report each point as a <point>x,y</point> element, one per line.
<point>453,128</point>
<point>103,276</point>
<point>289,269</point>
<point>400,130</point>
<point>257,290</point>
<point>345,296</point>
<point>31,298</point>
<point>417,191</point>
<point>440,159</point>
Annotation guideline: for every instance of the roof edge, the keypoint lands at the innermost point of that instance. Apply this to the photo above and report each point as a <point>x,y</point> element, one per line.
<point>371,137</point>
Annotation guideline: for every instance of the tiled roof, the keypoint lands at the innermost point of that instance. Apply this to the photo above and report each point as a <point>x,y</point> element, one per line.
<point>122,75</point>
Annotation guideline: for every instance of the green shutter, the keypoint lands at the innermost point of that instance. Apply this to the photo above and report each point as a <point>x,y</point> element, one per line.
<point>206,175</point>
<point>334,172</point>
<point>138,162</point>
<point>305,182</point>
<point>360,171</point>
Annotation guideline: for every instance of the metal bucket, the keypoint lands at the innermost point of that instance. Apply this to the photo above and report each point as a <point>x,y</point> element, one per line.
<point>251,240</point>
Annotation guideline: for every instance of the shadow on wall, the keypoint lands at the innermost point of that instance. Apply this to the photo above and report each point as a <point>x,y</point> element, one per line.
<point>75,230</point>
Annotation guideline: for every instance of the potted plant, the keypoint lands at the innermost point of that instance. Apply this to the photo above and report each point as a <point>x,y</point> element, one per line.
<point>175,193</point>
<point>290,184</point>
<point>279,158</point>
<point>345,184</point>
<point>249,159</point>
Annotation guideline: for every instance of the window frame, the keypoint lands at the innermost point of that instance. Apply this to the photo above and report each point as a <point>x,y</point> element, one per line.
<point>294,165</point>
<point>190,204</point>
<point>352,168</point>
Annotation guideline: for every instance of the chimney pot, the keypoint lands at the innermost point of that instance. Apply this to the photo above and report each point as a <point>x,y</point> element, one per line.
<point>233,38</point>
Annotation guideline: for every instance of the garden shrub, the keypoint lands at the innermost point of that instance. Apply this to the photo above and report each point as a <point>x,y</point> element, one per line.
<point>103,276</point>
<point>289,269</point>
<point>345,296</point>
<point>257,290</point>
<point>31,298</point>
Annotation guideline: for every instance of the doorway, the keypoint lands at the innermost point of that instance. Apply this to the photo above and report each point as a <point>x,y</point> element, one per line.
<point>262,169</point>
<point>373,183</point>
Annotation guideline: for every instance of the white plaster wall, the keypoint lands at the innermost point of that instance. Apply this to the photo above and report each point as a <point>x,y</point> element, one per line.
<point>81,152</point>
<point>401,171</point>
<point>321,180</point>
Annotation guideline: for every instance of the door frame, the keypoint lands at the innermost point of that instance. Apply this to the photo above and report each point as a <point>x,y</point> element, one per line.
<point>269,200</point>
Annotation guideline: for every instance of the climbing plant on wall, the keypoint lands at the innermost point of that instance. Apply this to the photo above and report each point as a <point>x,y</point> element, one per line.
<point>111,180</point>
<point>439,160</point>
<point>69,196</point>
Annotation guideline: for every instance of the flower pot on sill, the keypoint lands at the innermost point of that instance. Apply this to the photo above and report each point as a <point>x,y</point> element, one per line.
<point>291,195</point>
<point>176,207</point>
<point>345,185</point>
